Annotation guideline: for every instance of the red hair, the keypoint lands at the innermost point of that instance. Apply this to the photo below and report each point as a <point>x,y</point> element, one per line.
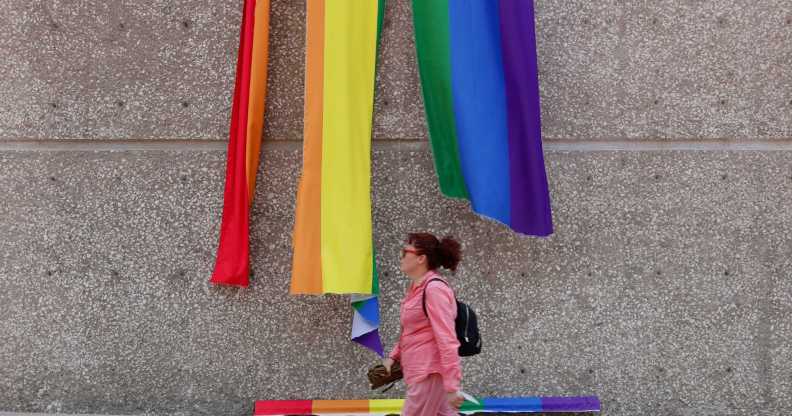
<point>446,252</point>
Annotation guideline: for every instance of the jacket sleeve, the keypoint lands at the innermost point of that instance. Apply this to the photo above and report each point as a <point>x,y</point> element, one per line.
<point>395,353</point>
<point>441,308</point>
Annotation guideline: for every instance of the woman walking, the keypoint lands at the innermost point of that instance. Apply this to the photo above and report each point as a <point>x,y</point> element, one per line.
<point>427,347</point>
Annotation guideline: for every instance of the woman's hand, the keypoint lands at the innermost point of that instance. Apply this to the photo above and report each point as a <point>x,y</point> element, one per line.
<point>387,363</point>
<point>455,399</point>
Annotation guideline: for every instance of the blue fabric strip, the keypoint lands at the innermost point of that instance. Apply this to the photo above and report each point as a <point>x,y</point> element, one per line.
<point>478,87</point>
<point>368,308</point>
<point>515,404</point>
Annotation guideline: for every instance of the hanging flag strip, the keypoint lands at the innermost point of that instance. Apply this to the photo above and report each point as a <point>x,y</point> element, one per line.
<point>587,404</point>
<point>333,248</point>
<point>478,68</point>
<point>247,118</point>
<point>365,322</point>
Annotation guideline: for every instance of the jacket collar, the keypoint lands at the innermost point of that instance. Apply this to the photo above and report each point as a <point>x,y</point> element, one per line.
<point>431,274</point>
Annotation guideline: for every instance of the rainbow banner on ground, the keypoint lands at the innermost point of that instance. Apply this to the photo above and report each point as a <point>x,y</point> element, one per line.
<point>587,404</point>
<point>333,247</point>
<point>247,118</point>
<point>478,67</point>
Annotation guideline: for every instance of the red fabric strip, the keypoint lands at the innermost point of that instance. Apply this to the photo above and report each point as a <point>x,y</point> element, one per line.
<point>282,407</point>
<point>232,263</point>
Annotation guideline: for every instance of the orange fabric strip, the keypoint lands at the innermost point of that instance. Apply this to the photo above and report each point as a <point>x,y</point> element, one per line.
<point>258,93</point>
<point>340,406</point>
<point>307,258</point>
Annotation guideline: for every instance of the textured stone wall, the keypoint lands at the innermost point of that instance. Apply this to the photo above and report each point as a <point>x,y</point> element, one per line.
<point>665,289</point>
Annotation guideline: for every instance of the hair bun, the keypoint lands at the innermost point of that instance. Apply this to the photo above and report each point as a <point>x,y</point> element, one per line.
<point>450,253</point>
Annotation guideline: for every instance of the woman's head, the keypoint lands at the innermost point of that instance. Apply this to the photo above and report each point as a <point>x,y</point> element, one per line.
<point>423,252</point>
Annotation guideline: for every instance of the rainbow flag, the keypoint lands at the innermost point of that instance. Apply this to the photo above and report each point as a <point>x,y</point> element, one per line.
<point>477,61</point>
<point>247,118</point>
<point>333,247</point>
<point>585,404</point>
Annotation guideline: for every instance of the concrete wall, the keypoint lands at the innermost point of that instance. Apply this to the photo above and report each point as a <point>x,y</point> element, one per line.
<point>665,289</point>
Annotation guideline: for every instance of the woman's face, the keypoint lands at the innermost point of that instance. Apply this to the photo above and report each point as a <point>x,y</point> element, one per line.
<point>410,259</point>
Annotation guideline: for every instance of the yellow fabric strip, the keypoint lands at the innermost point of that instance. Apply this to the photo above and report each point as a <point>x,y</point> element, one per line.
<point>257,94</point>
<point>349,57</point>
<point>386,406</point>
<point>307,258</point>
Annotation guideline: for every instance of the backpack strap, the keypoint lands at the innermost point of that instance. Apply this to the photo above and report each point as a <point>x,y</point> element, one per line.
<point>424,293</point>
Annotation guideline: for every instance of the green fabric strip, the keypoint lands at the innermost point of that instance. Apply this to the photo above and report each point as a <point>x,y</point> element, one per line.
<point>434,64</point>
<point>375,280</point>
<point>470,407</point>
<point>380,16</point>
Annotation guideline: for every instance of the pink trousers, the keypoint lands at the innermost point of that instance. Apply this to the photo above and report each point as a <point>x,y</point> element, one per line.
<point>427,398</point>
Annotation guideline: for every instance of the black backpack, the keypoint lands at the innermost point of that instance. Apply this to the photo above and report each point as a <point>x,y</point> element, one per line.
<point>466,324</point>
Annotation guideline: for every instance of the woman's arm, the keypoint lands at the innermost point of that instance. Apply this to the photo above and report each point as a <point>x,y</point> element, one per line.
<point>441,308</point>
<point>396,351</point>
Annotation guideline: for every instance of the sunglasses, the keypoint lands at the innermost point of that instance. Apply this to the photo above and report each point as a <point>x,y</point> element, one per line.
<point>404,251</point>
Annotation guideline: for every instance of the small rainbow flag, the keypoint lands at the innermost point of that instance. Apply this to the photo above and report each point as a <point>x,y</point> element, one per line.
<point>478,67</point>
<point>333,247</point>
<point>247,118</point>
<point>586,404</point>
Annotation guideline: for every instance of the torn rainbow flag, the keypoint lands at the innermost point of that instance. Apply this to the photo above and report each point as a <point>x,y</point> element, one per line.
<point>588,404</point>
<point>232,265</point>
<point>333,247</point>
<point>478,67</point>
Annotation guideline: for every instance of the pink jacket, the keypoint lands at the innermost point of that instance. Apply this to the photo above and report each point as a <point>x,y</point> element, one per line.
<point>423,347</point>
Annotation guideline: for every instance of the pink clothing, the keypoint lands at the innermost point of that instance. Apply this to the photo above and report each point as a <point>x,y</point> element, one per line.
<point>427,398</point>
<point>429,345</point>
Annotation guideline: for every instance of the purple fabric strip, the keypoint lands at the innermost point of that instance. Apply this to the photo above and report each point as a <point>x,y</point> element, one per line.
<point>570,404</point>
<point>371,340</point>
<point>530,200</point>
